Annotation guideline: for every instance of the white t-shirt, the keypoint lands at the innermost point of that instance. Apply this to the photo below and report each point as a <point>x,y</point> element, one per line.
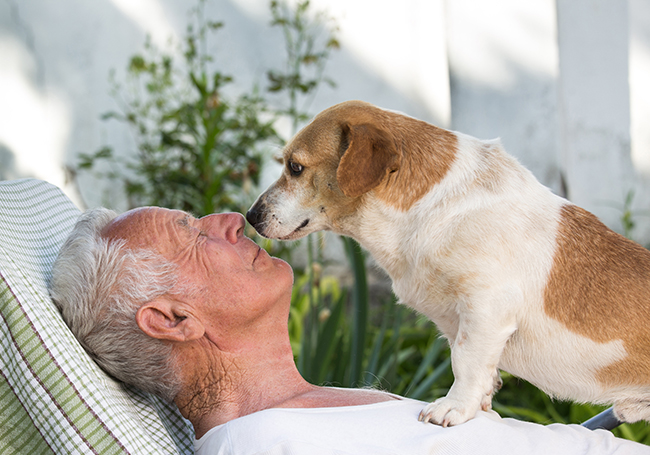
<point>392,427</point>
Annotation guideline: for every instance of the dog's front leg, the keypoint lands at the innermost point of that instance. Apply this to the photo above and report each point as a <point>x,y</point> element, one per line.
<point>475,354</point>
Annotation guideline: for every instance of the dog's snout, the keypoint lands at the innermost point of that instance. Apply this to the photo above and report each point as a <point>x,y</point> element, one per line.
<point>254,216</point>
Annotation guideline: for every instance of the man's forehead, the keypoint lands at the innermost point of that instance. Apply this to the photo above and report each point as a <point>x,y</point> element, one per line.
<point>141,226</point>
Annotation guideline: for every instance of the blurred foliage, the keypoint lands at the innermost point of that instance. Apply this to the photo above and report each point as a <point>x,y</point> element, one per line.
<point>628,215</point>
<point>201,152</point>
<point>196,150</point>
<point>309,40</point>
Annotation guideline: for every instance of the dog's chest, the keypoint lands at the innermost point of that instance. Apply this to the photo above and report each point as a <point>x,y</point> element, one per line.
<point>430,288</point>
<point>424,279</point>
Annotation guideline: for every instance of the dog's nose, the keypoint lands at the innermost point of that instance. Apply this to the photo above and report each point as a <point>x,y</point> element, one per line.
<point>254,216</point>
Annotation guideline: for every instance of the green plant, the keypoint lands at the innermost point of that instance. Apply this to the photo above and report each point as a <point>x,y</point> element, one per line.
<point>399,351</point>
<point>628,215</point>
<point>309,39</point>
<point>196,150</point>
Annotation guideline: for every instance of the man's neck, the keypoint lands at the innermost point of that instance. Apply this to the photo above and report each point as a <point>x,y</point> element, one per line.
<point>225,386</point>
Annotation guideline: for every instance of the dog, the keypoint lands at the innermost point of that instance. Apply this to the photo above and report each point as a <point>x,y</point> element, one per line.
<point>515,277</point>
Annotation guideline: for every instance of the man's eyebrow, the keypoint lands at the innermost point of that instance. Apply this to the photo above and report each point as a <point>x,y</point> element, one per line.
<point>184,222</point>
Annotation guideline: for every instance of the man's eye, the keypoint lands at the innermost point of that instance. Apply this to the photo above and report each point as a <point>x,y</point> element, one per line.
<point>295,168</point>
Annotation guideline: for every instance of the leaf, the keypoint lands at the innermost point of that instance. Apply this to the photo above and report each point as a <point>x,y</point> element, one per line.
<point>373,362</point>
<point>212,25</point>
<point>111,115</point>
<point>137,64</point>
<point>326,341</point>
<point>310,59</point>
<point>517,412</point>
<point>333,43</point>
<point>199,84</point>
<point>430,357</point>
<point>425,385</point>
<point>360,306</point>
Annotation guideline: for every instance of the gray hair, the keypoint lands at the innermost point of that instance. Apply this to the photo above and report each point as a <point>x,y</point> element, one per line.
<point>99,285</point>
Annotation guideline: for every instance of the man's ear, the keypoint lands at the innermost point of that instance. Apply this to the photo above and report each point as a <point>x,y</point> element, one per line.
<point>163,319</point>
<point>369,155</point>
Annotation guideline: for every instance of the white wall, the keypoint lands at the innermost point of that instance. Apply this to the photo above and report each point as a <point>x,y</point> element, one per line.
<point>504,67</point>
<point>594,111</point>
<point>563,83</point>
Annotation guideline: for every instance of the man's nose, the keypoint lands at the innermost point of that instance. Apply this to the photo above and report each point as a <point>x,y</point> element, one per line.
<point>229,225</point>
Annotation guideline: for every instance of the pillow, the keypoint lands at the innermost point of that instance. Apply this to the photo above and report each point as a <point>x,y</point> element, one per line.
<point>53,397</point>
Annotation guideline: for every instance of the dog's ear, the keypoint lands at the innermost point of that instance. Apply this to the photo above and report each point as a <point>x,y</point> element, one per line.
<point>368,154</point>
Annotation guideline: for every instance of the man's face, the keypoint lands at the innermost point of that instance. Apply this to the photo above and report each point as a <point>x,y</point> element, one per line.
<point>232,281</point>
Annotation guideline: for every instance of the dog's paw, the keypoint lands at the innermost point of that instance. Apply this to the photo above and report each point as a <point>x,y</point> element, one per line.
<point>632,410</point>
<point>448,412</point>
<point>486,401</point>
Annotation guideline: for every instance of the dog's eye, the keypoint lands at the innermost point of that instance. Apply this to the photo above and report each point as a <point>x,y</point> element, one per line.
<point>294,168</point>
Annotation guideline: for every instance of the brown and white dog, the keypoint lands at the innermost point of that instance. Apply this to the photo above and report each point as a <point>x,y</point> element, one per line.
<point>515,277</point>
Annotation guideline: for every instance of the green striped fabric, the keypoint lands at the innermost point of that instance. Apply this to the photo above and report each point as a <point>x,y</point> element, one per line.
<point>53,397</point>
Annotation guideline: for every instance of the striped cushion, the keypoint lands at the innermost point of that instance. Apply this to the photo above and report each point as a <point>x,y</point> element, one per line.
<point>53,397</point>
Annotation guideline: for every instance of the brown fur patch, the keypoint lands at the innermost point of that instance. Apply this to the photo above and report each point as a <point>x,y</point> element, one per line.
<point>369,156</point>
<point>427,152</point>
<point>599,287</point>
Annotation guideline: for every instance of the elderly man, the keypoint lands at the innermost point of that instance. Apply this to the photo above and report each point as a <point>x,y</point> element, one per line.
<point>194,311</point>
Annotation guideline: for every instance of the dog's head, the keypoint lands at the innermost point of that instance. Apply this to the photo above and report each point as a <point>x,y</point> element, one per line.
<point>328,166</point>
<point>347,152</point>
